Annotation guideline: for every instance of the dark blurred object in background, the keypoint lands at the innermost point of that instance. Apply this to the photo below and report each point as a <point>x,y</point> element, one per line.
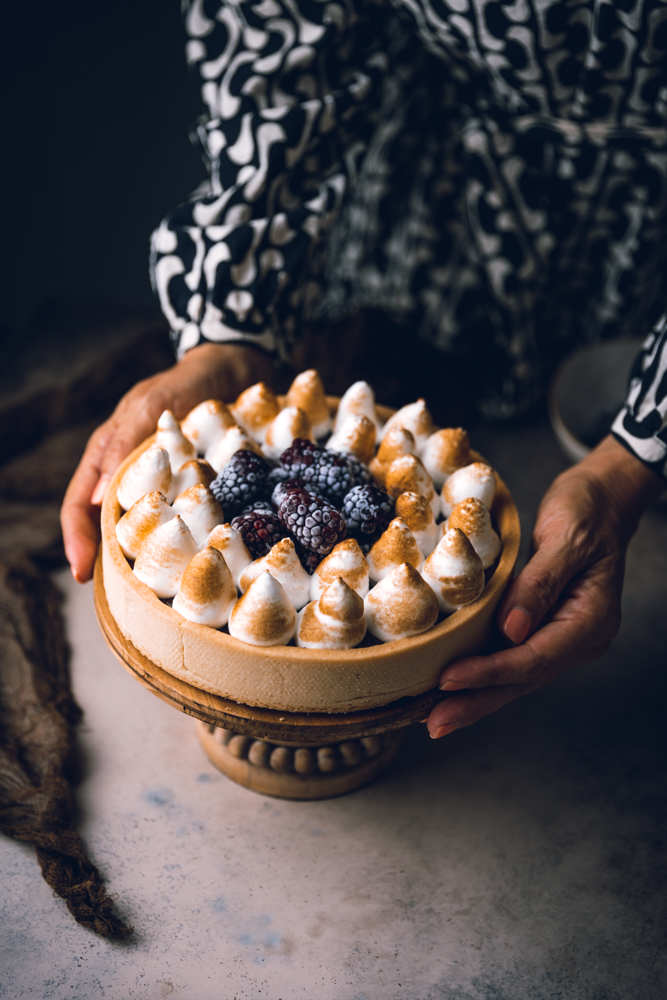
<point>587,393</point>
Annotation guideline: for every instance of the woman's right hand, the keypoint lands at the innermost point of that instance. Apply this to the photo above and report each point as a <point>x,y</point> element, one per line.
<point>210,371</point>
<point>564,608</point>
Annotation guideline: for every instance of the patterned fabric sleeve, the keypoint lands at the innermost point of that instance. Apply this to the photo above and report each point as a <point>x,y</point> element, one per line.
<point>236,262</point>
<point>642,423</point>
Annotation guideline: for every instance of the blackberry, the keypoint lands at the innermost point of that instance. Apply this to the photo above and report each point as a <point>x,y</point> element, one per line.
<point>324,472</point>
<point>300,453</point>
<point>258,506</point>
<point>260,530</point>
<point>367,510</point>
<point>275,476</point>
<point>284,487</point>
<point>240,482</point>
<point>316,525</point>
<point>361,472</point>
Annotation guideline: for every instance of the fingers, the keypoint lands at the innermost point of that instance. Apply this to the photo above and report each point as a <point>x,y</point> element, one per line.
<point>579,633</point>
<point>559,645</point>
<point>128,435</point>
<point>108,447</point>
<point>535,591</point>
<point>472,704</point>
<point>462,710</point>
<point>100,489</point>
<point>79,518</point>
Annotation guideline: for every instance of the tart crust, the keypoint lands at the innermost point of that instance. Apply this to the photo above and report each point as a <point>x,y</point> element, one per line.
<point>288,678</point>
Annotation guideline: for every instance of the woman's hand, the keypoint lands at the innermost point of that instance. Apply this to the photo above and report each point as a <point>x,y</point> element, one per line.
<point>565,607</point>
<point>211,371</point>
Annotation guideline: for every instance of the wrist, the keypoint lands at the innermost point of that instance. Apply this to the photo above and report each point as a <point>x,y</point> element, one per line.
<point>228,368</point>
<point>629,486</point>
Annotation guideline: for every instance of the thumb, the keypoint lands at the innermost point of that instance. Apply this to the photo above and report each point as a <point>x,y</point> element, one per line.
<point>535,591</point>
<point>127,436</point>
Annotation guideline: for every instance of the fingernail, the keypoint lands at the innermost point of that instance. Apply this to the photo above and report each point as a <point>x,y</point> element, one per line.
<point>100,490</point>
<point>443,731</point>
<point>452,686</point>
<point>517,625</point>
<point>424,720</point>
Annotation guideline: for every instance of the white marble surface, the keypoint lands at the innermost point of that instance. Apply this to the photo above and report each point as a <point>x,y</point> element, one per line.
<point>517,859</point>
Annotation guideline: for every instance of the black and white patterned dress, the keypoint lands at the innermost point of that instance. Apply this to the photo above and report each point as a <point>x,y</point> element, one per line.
<point>492,174</point>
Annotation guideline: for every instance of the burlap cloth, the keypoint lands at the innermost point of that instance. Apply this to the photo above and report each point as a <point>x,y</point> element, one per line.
<point>71,366</point>
<point>37,719</point>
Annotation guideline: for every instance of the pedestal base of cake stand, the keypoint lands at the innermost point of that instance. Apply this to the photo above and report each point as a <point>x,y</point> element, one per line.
<point>293,771</point>
<point>291,755</point>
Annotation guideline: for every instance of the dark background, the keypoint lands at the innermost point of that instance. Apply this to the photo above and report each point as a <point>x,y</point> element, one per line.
<point>97,103</point>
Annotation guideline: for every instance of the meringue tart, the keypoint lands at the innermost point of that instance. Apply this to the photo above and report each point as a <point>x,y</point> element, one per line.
<point>289,677</point>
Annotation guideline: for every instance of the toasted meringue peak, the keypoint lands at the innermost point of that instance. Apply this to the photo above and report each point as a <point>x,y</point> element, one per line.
<point>264,616</point>
<point>228,540</point>
<point>290,423</point>
<point>143,517</point>
<point>474,480</point>
<point>341,602</point>
<point>170,437</point>
<point>207,593</point>
<point>417,513</point>
<point>150,473</point>
<point>307,392</point>
<point>454,571</point>
<point>356,436</point>
<point>200,511</point>
<point>401,605</point>
<point>164,555</point>
<point>336,621</point>
<point>474,519</point>
<point>408,475</point>
<point>416,418</point>
<point>197,470</point>
<point>207,423</point>
<point>255,408</point>
<point>395,546</point>
<point>398,442</point>
<point>358,401</point>
<point>347,561</point>
<point>446,451</point>
<point>234,440</point>
<point>284,565</point>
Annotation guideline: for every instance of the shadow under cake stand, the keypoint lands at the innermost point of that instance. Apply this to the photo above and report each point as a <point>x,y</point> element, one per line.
<point>290,755</point>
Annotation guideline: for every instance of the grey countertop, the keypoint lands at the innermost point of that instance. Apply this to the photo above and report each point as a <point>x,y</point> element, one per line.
<point>520,858</point>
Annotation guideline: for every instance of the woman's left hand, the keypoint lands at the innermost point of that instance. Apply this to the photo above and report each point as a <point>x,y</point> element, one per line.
<point>564,608</point>
<point>218,371</point>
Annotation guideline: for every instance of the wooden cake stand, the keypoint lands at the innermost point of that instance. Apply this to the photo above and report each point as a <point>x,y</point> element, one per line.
<point>290,755</point>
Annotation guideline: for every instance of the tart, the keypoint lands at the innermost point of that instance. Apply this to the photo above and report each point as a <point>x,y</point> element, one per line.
<point>293,678</point>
